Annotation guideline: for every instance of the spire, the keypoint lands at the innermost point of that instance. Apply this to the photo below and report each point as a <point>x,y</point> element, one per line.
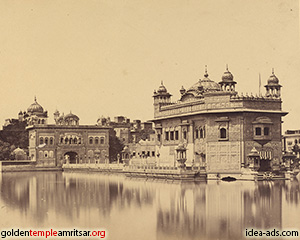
<point>182,90</point>
<point>34,98</point>
<point>273,71</point>
<point>226,67</point>
<point>206,74</point>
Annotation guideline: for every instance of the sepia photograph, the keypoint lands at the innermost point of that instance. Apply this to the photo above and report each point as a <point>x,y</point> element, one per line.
<point>149,119</point>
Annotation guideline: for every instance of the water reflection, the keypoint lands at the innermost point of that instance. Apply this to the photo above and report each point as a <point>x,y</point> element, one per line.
<point>145,209</point>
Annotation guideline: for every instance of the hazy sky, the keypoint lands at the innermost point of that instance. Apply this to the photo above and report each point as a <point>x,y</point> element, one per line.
<point>99,57</point>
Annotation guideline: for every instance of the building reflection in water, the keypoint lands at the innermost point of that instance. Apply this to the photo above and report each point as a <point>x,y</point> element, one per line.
<point>169,210</point>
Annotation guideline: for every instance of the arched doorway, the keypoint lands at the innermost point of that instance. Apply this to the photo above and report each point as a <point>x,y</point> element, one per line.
<point>265,165</point>
<point>72,156</point>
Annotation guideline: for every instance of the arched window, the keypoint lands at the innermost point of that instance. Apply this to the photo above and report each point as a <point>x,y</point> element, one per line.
<point>96,140</point>
<point>61,140</point>
<point>223,133</point>
<point>43,121</point>
<point>41,154</point>
<point>204,132</point>
<point>46,154</point>
<point>46,140</point>
<point>51,141</point>
<point>257,131</point>
<point>266,131</point>
<point>51,154</point>
<point>79,140</point>
<point>41,140</point>
<point>197,133</point>
<point>71,140</point>
<point>171,135</point>
<point>201,133</point>
<point>66,140</point>
<point>176,135</point>
<point>91,140</point>
<point>75,140</point>
<point>102,140</point>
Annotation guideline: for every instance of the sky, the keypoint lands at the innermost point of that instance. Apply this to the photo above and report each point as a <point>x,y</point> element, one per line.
<point>106,57</point>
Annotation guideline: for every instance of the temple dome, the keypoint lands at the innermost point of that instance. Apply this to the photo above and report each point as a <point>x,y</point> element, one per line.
<point>71,116</point>
<point>209,85</point>
<point>227,76</point>
<point>162,88</point>
<point>35,107</point>
<point>273,79</point>
<point>205,85</point>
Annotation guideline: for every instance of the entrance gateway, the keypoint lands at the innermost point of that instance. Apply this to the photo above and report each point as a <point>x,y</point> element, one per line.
<point>71,157</point>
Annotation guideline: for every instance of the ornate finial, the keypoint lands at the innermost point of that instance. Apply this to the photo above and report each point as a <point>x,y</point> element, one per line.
<point>273,71</point>
<point>182,90</point>
<point>35,98</point>
<point>162,82</point>
<point>227,67</point>
<point>206,74</point>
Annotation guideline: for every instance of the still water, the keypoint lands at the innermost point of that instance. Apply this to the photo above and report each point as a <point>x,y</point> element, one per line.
<point>146,209</point>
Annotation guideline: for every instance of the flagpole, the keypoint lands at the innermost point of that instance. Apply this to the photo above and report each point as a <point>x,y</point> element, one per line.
<point>259,86</point>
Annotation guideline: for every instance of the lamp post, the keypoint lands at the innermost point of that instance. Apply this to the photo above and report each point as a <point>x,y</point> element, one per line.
<point>125,155</point>
<point>181,156</point>
<point>288,160</point>
<point>253,160</point>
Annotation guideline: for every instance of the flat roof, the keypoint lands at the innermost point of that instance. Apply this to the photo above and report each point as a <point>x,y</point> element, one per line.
<point>232,110</point>
<point>54,126</point>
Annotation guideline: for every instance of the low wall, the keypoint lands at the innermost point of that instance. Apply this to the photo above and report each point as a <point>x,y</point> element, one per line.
<point>97,167</point>
<point>15,165</point>
<point>23,166</point>
<point>16,162</point>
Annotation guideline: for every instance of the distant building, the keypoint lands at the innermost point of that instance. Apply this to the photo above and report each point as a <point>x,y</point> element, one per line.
<point>138,137</point>
<point>19,154</point>
<point>218,126</point>
<point>290,139</point>
<point>66,140</point>
<point>35,114</point>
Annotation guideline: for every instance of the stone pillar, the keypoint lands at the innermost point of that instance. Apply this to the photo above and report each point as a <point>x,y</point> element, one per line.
<point>118,158</point>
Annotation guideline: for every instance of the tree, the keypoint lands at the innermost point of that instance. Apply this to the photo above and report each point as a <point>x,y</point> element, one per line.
<point>115,146</point>
<point>15,135</point>
<point>5,150</point>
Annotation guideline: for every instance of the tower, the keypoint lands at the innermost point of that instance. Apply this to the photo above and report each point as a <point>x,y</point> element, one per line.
<point>161,97</point>
<point>227,83</point>
<point>273,87</point>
